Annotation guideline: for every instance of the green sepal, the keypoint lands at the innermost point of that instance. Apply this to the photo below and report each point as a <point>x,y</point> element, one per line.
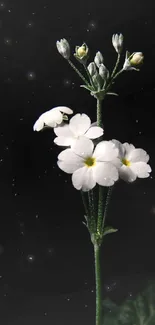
<point>98,94</point>
<point>90,88</point>
<point>65,117</point>
<point>114,94</point>
<point>86,218</point>
<point>84,224</point>
<point>108,230</point>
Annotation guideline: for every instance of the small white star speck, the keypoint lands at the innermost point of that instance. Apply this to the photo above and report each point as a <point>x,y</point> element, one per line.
<point>31,75</point>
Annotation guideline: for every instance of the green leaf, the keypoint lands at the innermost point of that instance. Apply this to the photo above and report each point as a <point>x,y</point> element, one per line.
<point>142,306</point>
<point>128,315</point>
<point>110,312</point>
<point>140,311</point>
<point>108,304</point>
<point>108,230</point>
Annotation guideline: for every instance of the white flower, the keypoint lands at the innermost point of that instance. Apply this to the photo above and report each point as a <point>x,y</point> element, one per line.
<point>79,125</point>
<point>52,117</point>
<point>63,48</point>
<point>90,166</point>
<point>117,41</point>
<point>133,162</point>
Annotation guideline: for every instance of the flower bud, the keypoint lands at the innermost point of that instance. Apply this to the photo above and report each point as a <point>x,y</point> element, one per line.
<point>137,58</point>
<point>133,61</point>
<point>103,71</point>
<point>63,48</point>
<point>117,41</point>
<point>81,53</point>
<point>92,68</point>
<point>98,59</point>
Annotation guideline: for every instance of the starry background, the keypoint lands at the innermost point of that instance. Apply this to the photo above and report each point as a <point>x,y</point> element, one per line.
<point>46,257</point>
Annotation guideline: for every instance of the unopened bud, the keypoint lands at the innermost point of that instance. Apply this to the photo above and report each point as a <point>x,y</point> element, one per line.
<point>63,48</point>
<point>92,68</point>
<point>98,59</point>
<point>137,58</point>
<point>103,72</point>
<point>133,61</point>
<point>117,41</point>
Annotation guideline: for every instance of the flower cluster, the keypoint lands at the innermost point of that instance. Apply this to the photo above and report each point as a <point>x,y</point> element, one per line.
<point>99,79</point>
<point>88,163</point>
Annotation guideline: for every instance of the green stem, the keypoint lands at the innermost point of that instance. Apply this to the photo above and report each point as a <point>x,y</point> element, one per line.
<point>92,211</point>
<point>116,65</point>
<point>99,112</point>
<point>118,73</point>
<point>78,72</point>
<point>100,209</point>
<point>98,285</point>
<point>106,205</point>
<point>89,76</point>
<point>98,232</point>
<point>85,203</point>
<point>114,74</point>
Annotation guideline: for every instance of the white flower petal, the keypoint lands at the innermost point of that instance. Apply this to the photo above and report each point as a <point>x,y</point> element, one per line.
<point>105,173</point>
<point>120,147</point>
<point>64,141</point>
<point>138,155</point>
<point>105,151</point>
<point>69,161</point>
<point>128,148</point>
<point>83,147</point>
<point>94,132</point>
<point>94,124</point>
<point>63,130</point>
<point>39,124</point>
<point>141,169</point>
<point>53,117</point>
<point>127,174</point>
<point>79,124</point>
<point>117,163</point>
<point>83,179</point>
<point>64,109</point>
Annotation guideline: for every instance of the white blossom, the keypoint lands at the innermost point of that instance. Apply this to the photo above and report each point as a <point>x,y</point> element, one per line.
<point>52,118</point>
<point>79,125</point>
<point>89,166</point>
<point>133,162</point>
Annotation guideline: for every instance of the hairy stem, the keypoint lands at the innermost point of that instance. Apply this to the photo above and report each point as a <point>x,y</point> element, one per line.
<point>79,73</point>
<point>98,285</point>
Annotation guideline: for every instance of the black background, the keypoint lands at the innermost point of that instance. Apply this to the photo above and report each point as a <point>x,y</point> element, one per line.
<point>46,257</point>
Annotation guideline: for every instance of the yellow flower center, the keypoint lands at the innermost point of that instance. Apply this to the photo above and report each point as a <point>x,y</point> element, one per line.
<point>81,51</point>
<point>90,162</point>
<point>126,162</point>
